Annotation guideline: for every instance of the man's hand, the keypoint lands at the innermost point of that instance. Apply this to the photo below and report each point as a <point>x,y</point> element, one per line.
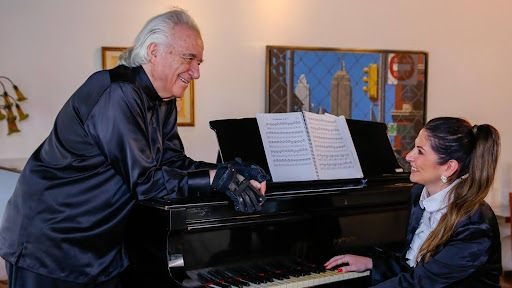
<point>239,189</point>
<point>252,172</point>
<point>249,171</point>
<point>262,187</point>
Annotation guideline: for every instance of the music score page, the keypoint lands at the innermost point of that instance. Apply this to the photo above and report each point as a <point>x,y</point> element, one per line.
<point>304,146</point>
<point>287,146</point>
<point>334,152</point>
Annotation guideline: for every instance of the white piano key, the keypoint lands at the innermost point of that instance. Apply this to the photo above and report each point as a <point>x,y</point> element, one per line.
<point>314,279</point>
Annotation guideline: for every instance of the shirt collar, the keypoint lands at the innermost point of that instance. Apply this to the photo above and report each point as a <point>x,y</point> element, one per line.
<point>437,201</point>
<point>145,84</point>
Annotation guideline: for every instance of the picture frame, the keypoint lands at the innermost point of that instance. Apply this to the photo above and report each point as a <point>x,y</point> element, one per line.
<point>110,56</point>
<point>365,84</point>
<point>185,105</point>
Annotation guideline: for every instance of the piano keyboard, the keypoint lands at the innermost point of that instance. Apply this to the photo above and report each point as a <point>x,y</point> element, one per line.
<point>277,276</point>
<point>313,279</point>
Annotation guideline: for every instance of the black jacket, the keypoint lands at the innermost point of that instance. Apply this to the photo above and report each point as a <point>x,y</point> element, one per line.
<point>113,143</point>
<point>470,258</point>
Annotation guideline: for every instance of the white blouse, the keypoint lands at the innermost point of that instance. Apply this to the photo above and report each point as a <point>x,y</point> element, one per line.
<point>435,206</point>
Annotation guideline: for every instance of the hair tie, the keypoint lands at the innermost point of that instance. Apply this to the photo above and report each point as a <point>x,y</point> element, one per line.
<point>474,129</point>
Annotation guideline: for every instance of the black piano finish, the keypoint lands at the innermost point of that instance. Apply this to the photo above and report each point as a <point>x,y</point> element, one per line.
<point>165,240</point>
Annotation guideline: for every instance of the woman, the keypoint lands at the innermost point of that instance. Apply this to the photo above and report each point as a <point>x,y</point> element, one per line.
<point>453,236</point>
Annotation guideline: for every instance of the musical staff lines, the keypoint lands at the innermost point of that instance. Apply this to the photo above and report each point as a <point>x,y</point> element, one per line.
<point>307,146</point>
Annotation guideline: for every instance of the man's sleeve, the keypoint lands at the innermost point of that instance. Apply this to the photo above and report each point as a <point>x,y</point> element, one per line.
<point>174,151</point>
<point>122,129</point>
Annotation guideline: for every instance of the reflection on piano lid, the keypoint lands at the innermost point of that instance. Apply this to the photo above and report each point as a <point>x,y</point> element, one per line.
<point>376,156</point>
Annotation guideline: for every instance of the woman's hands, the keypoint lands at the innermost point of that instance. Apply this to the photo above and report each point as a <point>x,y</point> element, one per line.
<point>353,263</point>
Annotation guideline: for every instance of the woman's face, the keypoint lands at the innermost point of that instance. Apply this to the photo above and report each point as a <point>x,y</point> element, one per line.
<point>424,164</point>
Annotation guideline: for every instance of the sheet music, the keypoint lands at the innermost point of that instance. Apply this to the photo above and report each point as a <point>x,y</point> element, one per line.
<point>287,146</point>
<point>333,149</point>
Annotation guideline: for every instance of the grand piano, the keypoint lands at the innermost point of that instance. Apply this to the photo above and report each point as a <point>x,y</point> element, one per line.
<point>205,243</point>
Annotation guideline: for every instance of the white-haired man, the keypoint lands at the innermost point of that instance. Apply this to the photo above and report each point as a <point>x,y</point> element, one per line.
<point>114,142</point>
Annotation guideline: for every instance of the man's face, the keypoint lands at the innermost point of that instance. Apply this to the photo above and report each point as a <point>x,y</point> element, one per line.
<point>172,67</point>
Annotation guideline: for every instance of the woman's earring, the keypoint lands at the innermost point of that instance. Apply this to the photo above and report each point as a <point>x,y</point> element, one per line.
<point>444,179</point>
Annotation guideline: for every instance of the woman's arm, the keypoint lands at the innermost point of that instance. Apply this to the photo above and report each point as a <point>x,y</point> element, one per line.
<point>465,252</point>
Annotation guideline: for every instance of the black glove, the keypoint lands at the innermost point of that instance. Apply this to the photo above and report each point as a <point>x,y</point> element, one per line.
<point>244,196</point>
<point>249,171</point>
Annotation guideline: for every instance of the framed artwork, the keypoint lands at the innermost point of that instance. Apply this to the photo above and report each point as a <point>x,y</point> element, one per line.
<point>185,105</point>
<point>375,85</point>
<point>110,56</point>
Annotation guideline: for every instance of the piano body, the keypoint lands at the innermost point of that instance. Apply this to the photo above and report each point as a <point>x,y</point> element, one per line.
<point>205,243</point>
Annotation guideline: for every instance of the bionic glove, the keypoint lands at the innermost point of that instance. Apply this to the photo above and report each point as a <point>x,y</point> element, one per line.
<point>249,171</point>
<point>244,196</point>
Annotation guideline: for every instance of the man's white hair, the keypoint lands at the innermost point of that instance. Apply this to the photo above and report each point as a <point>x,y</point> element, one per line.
<point>157,30</point>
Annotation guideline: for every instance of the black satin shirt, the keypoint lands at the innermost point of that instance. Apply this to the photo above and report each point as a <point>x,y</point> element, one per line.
<point>113,143</point>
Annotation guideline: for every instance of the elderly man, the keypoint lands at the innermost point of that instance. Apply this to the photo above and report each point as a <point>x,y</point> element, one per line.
<point>114,142</point>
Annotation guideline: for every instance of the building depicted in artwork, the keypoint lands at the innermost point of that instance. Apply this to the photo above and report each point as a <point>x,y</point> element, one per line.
<point>282,97</point>
<point>302,91</point>
<point>341,93</point>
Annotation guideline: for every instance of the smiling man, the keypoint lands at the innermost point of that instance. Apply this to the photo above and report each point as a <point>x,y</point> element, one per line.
<point>114,142</point>
<point>171,68</point>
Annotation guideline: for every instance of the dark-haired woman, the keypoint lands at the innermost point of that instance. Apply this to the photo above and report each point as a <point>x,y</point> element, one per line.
<point>453,236</point>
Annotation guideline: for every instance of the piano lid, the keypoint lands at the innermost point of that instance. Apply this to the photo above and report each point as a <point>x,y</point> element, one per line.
<point>373,148</point>
<point>240,138</point>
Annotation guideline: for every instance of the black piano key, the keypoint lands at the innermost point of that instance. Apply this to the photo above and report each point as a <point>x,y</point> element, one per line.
<point>236,277</point>
<point>257,274</point>
<point>298,269</point>
<point>288,269</point>
<point>269,271</point>
<point>313,268</point>
<point>279,269</point>
<point>220,278</point>
<point>260,272</point>
<point>258,268</point>
<point>205,278</point>
<point>226,278</point>
<point>243,274</point>
<point>252,276</point>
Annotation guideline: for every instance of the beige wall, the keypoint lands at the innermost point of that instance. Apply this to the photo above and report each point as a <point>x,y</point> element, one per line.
<point>49,48</point>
